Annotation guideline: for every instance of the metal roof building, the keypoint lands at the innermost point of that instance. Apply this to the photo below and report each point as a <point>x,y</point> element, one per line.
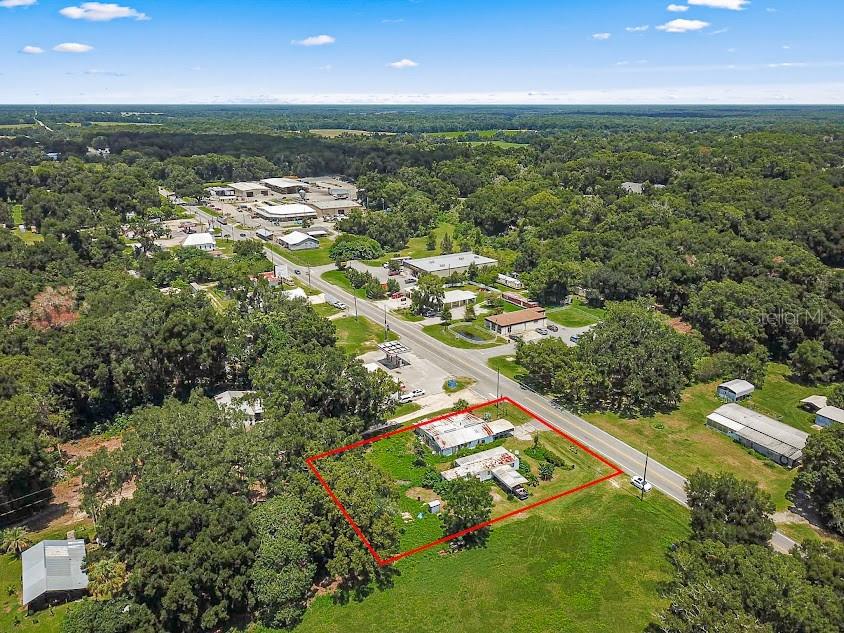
<point>285,185</point>
<point>776,440</point>
<point>498,463</point>
<point>53,566</point>
<point>828,415</point>
<point>735,390</point>
<point>444,265</point>
<point>462,430</point>
<point>284,212</point>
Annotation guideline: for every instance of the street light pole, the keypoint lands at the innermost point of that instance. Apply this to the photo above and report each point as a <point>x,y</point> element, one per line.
<point>644,477</point>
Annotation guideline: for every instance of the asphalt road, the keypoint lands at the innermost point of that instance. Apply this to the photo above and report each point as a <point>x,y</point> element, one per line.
<point>461,362</point>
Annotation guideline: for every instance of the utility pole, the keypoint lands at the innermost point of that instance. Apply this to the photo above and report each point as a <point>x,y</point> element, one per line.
<point>356,307</point>
<point>386,327</point>
<point>644,478</point>
<point>309,276</point>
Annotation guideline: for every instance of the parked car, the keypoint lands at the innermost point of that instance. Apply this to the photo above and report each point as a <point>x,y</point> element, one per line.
<point>340,305</point>
<point>410,280</point>
<point>553,327</point>
<point>520,493</point>
<point>297,271</point>
<point>574,338</point>
<point>385,265</point>
<point>222,221</point>
<point>516,337</point>
<point>396,295</point>
<point>410,396</point>
<point>640,483</point>
<point>542,331</point>
<point>243,235</point>
<point>393,273</point>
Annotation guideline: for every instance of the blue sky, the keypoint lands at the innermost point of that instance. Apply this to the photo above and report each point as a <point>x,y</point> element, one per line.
<point>422,51</point>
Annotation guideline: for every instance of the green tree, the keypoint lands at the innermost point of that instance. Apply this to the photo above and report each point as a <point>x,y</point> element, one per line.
<point>112,616</point>
<point>445,315</point>
<point>106,578</point>
<point>811,362</point>
<point>446,245</point>
<point>469,313</point>
<point>431,241</point>
<point>822,474</point>
<point>468,503</point>
<point>546,471</point>
<point>729,510</point>
<point>836,398</point>
<point>428,294</point>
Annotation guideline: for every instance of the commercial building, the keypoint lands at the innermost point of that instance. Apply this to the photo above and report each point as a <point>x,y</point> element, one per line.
<point>445,265</point>
<point>243,401</point>
<point>264,234</point>
<point>285,185</point>
<point>298,241</point>
<point>249,190</point>
<point>284,212</point>
<point>202,241</point>
<point>827,416</point>
<point>518,321</point>
<point>773,439</point>
<point>332,206</point>
<point>735,390</point>
<point>462,430</point>
<point>221,192</point>
<point>52,568</point>
<point>496,463</point>
<point>457,298</point>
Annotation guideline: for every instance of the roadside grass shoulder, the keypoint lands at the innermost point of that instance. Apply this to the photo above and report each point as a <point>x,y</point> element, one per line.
<point>358,335</point>
<point>338,278</point>
<point>508,366</point>
<point>310,257</point>
<point>443,334</point>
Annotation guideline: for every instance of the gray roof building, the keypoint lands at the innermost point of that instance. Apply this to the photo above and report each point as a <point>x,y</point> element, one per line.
<point>53,566</point>
<point>444,265</point>
<point>776,440</point>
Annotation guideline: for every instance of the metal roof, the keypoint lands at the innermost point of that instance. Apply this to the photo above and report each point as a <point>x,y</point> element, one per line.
<point>199,239</point>
<point>738,386</point>
<point>247,186</point>
<point>284,183</point>
<point>297,237</point>
<point>760,429</point>
<point>455,296</point>
<point>463,428</point>
<point>446,262</point>
<point>816,401</point>
<point>831,413</point>
<point>480,463</point>
<point>53,566</point>
<point>393,347</point>
<point>285,210</point>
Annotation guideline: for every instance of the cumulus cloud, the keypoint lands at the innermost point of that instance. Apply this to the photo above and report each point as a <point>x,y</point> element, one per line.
<point>733,5</point>
<point>682,26</point>
<point>72,47</point>
<point>677,8</point>
<point>601,36</point>
<point>102,12</point>
<point>315,40</point>
<point>11,4</point>
<point>637,29</point>
<point>403,63</point>
<point>32,50</point>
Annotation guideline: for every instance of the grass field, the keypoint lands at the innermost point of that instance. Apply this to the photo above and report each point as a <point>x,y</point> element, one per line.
<point>578,314</point>
<point>356,336</point>
<point>310,257</point>
<point>17,214</point>
<point>325,310</point>
<point>444,335</point>
<point>591,562</point>
<point>416,246</point>
<point>405,409</point>
<point>462,383</point>
<point>338,278</point>
<point>12,616</point>
<point>507,365</point>
<point>212,212</point>
<point>407,315</point>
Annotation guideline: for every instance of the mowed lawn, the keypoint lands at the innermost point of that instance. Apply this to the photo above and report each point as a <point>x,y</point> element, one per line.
<point>590,562</point>
<point>358,335</point>
<point>309,257</point>
<point>578,314</point>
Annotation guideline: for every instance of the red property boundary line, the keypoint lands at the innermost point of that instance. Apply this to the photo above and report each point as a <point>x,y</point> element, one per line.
<point>310,461</point>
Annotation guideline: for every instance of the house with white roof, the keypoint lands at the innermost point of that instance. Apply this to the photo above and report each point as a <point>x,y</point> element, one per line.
<point>460,431</point>
<point>243,401</point>
<point>298,241</point>
<point>735,390</point>
<point>53,567</point>
<point>202,241</point>
<point>496,463</point>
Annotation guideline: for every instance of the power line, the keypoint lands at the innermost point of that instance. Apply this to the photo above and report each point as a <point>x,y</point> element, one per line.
<point>25,496</point>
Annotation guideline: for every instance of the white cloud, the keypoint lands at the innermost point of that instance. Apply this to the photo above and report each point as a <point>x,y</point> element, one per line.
<point>637,29</point>
<point>789,65</point>
<point>682,26</point>
<point>326,68</point>
<point>72,47</point>
<point>403,63</point>
<point>601,36</point>
<point>102,12</point>
<point>786,47</point>
<point>315,40</point>
<point>32,50</point>
<point>392,21</point>
<point>719,31</point>
<point>677,8</point>
<point>733,5</point>
<point>11,4</point>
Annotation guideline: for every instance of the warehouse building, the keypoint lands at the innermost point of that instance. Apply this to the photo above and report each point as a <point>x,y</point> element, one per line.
<point>460,431</point>
<point>445,265</point>
<point>285,185</point>
<point>249,190</point>
<point>828,415</point>
<point>331,206</point>
<point>496,463</point>
<point>518,321</point>
<point>773,439</point>
<point>298,241</point>
<point>284,212</point>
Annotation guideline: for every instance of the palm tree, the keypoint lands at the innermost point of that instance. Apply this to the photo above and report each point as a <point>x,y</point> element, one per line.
<point>546,471</point>
<point>106,578</point>
<point>15,540</point>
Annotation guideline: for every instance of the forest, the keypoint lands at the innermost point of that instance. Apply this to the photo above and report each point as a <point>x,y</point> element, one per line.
<point>737,234</point>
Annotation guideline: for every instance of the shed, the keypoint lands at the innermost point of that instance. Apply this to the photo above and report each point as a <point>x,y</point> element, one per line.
<point>813,403</point>
<point>53,567</point>
<point>434,506</point>
<point>735,390</point>
<point>826,416</point>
